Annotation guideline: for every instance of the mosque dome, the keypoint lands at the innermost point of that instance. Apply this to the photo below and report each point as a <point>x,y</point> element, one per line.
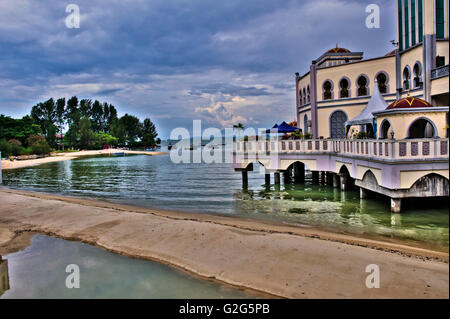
<point>338,50</point>
<point>408,102</point>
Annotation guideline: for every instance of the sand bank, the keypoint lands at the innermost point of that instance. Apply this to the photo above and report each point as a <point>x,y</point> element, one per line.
<point>58,157</point>
<point>274,258</point>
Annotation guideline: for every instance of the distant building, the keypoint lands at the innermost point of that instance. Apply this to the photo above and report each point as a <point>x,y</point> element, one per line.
<point>339,84</point>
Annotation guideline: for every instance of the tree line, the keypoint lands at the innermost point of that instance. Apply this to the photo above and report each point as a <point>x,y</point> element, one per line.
<point>74,124</point>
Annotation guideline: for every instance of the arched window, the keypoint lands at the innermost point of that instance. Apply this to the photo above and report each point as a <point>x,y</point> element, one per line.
<point>363,86</point>
<point>385,129</point>
<point>300,95</point>
<point>344,88</point>
<point>337,124</point>
<point>406,78</point>
<point>304,96</point>
<point>417,70</point>
<point>382,80</point>
<point>421,128</point>
<point>327,90</point>
<point>308,95</point>
<point>305,124</point>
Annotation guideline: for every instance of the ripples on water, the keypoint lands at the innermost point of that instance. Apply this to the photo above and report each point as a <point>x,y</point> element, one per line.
<point>158,183</point>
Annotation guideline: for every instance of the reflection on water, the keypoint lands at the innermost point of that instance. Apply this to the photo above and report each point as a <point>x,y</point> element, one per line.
<point>4,276</point>
<point>216,188</point>
<point>39,271</point>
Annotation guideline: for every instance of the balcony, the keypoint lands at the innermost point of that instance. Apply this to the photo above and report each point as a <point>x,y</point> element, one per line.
<point>377,150</point>
<point>440,72</point>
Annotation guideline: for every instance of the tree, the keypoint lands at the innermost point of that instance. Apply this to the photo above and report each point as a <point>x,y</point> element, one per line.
<point>103,139</point>
<point>86,107</point>
<point>60,114</point>
<point>118,130</point>
<point>18,128</point>
<point>38,144</point>
<point>72,112</point>
<point>148,134</point>
<point>133,128</point>
<point>44,114</point>
<point>87,135</point>
<point>97,115</point>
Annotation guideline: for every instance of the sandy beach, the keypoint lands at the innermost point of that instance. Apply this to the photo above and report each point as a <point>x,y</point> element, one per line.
<point>274,258</point>
<point>59,157</point>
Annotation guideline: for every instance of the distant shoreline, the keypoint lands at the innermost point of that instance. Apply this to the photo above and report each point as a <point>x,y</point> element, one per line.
<point>274,258</point>
<point>59,157</point>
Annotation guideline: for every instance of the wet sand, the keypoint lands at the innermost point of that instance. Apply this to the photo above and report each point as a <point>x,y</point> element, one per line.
<point>274,258</point>
<point>59,157</point>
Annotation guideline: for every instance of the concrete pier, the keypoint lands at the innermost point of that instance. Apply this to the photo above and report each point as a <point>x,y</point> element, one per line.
<point>362,193</point>
<point>267,178</point>
<point>244,179</point>
<point>343,182</point>
<point>336,180</point>
<point>396,205</point>
<point>276,177</point>
<point>299,172</point>
<point>315,177</point>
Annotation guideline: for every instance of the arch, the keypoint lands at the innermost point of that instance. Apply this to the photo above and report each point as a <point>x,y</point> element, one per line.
<point>304,96</point>
<point>308,94</point>
<point>247,164</point>
<point>417,75</point>
<point>344,87</point>
<point>328,90</point>
<point>369,177</point>
<point>337,124</point>
<point>362,88</point>
<point>382,78</point>
<point>343,170</point>
<point>300,96</point>
<point>305,124</point>
<point>422,127</point>
<point>430,184</point>
<point>384,129</point>
<point>407,78</point>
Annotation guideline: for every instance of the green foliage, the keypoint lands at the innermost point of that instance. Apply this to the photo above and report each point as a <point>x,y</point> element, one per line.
<point>360,135</point>
<point>38,144</point>
<point>87,135</point>
<point>86,125</point>
<point>103,138</point>
<point>17,129</point>
<point>297,134</point>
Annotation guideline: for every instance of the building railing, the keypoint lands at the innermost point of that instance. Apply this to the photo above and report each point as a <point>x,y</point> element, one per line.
<point>408,149</point>
<point>440,72</point>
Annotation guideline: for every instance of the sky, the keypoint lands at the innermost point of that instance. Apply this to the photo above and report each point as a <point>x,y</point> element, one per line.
<point>221,62</point>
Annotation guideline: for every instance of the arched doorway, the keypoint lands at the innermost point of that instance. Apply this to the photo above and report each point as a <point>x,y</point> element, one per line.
<point>421,128</point>
<point>337,124</point>
<point>384,130</point>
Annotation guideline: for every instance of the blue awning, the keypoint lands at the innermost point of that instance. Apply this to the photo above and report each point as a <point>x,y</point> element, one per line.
<point>283,128</point>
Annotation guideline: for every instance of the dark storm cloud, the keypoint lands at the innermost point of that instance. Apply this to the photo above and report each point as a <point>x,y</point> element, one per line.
<point>175,60</point>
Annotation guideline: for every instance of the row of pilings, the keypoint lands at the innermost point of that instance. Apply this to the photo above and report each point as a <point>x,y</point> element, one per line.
<point>296,173</point>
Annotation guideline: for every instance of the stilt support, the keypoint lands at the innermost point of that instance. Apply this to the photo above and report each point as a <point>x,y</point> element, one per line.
<point>396,205</point>
<point>244,179</point>
<point>276,177</point>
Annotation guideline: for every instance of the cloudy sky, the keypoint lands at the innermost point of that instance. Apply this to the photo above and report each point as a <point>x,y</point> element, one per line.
<point>222,62</point>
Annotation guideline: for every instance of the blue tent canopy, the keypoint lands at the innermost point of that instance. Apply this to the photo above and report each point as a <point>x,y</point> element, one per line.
<point>283,128</point>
